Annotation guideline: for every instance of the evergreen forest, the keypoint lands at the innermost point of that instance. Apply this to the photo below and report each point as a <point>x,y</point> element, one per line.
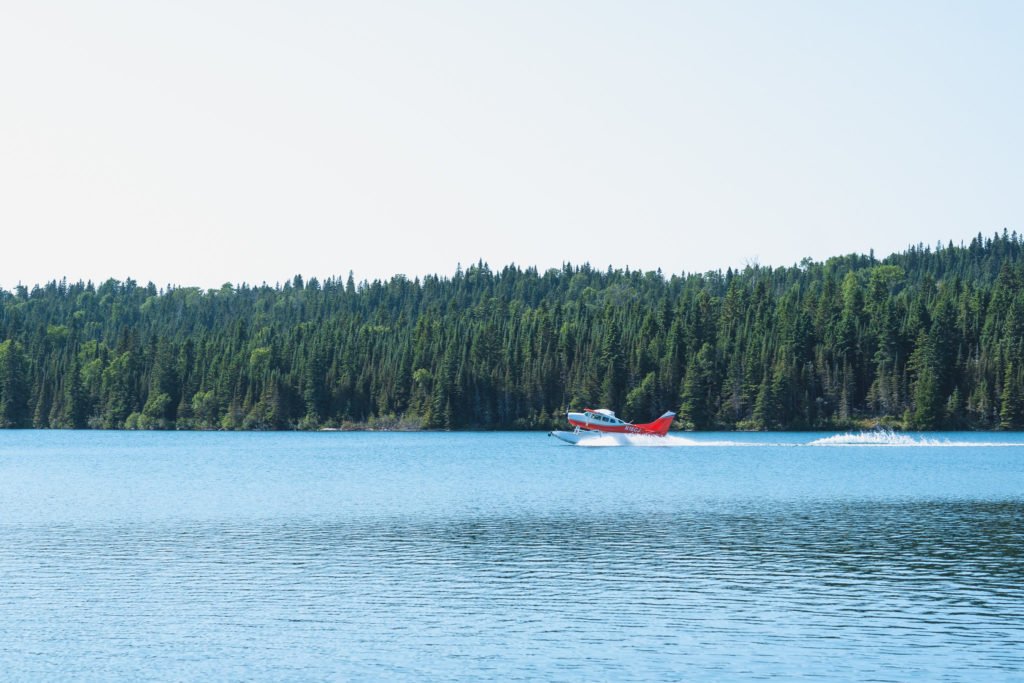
<point>930,338</point>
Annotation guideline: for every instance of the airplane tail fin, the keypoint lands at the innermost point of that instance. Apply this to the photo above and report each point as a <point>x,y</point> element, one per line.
<point>659,426</point>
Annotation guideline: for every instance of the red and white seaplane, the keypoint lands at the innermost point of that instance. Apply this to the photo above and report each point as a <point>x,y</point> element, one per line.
<point>591,423</point>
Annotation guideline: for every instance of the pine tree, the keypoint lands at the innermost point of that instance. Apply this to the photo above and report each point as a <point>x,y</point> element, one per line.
<point>928,406</point>
<point>933,335</point>
<point>612,366</point>
<point>699,388</point>
<point>14,389</point>
<point>1011,410</point>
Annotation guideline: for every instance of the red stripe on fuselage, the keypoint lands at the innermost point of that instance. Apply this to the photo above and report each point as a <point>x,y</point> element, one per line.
<point>612,429</point>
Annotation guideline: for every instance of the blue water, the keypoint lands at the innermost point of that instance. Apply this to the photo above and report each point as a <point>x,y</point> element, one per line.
<point>362,556</point>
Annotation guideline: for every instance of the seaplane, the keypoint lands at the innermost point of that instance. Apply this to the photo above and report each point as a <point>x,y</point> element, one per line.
<point>592,423</point>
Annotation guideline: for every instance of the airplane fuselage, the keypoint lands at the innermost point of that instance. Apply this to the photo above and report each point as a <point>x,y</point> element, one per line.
<point>590,424</point>
<point>603,421</point>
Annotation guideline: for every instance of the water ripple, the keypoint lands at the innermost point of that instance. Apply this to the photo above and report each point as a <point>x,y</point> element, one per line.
<point>455,557</point>
<point>870,584</point>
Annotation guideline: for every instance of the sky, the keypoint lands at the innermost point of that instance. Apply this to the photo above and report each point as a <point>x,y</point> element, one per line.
<point>198,142</point>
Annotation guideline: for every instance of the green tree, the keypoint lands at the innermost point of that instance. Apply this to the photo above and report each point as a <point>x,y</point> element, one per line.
<point>14,389</point>
<point>641,402</point>
<point>1011,410</point>
<point>74,408</point>
<point>612,366</point>
<point>928,404</point>
<point>699,389</point>
<point>930,334</point>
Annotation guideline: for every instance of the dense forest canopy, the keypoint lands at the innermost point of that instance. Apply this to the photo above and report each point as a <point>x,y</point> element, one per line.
<point>930,338</point>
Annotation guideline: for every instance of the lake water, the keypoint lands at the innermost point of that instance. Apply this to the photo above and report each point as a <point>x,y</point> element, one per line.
<point>362,556</point>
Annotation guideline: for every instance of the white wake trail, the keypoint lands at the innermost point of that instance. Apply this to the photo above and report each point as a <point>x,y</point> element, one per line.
<point>885,437</point>
<point>873,438</point>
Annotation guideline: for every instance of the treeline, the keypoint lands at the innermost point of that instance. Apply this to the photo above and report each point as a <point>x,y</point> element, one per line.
<point>932,338</point>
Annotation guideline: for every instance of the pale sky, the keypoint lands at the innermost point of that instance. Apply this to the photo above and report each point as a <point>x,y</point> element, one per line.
<point>199,142</point>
